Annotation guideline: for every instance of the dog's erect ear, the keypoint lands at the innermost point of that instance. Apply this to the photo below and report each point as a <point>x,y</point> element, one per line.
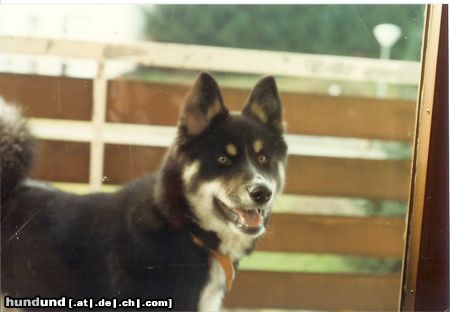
<point>264,104</point>
<point>203,103</point>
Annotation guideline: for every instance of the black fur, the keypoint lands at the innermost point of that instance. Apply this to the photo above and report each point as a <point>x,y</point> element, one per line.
<point>16,151</point>
<point>133,243</point>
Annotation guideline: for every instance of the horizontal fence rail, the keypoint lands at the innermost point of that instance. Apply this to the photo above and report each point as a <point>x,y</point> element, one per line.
<point>159,104</point>
<point>330,292</point>
<point>195,57</point>
<point>363,236</point>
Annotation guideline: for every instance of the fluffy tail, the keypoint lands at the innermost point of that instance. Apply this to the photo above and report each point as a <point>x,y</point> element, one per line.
<point>16,149</point>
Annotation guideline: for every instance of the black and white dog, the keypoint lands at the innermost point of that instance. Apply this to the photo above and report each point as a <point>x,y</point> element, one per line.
<point>178,233</point>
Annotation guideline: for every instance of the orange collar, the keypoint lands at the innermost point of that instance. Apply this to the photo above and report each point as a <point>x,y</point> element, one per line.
<point>225,261</point>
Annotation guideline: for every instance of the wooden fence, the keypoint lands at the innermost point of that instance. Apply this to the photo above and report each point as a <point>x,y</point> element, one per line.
<point>67,154</point>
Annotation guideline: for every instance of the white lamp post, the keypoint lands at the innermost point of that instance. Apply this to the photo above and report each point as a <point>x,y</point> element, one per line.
<point>386,35</point>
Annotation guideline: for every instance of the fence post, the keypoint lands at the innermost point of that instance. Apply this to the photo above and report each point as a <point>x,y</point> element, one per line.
<point>97,150</point>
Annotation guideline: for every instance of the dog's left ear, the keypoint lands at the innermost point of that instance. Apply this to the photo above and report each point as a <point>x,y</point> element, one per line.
<point>203,103</point>
<point>264,104</point>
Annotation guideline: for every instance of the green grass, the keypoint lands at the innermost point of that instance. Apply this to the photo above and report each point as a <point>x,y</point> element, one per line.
<point>82,188</point>
<point>293,84</point>
<point>318,263</point>
<point>339,206</point>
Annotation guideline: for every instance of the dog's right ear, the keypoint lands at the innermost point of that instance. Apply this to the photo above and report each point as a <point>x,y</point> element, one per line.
<point>203,103</point>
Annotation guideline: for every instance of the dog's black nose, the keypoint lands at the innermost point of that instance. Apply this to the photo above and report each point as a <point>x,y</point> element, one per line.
<point>260,193</point>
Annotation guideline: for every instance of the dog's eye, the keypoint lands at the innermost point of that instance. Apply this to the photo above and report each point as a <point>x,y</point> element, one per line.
<point>224,160</point>
<point>262,159</point>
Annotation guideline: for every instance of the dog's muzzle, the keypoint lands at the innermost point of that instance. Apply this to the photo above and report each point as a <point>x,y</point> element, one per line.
<point>249,221</point>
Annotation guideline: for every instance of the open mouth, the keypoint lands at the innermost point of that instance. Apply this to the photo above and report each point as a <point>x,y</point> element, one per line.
<point>249,221</point>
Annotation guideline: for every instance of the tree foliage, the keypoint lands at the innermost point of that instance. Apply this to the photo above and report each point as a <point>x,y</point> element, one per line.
<point>321,29</point>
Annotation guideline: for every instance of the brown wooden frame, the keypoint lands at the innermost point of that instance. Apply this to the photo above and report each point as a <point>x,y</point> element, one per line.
<point>428,196</point>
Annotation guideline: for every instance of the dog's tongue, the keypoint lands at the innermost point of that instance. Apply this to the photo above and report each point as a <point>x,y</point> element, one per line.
<point>252,218</point>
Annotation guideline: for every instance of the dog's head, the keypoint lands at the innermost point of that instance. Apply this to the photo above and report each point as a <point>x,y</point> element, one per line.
<point>233,164</point>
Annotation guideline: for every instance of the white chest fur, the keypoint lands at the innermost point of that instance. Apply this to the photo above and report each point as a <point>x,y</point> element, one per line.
<point>212,294</point>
